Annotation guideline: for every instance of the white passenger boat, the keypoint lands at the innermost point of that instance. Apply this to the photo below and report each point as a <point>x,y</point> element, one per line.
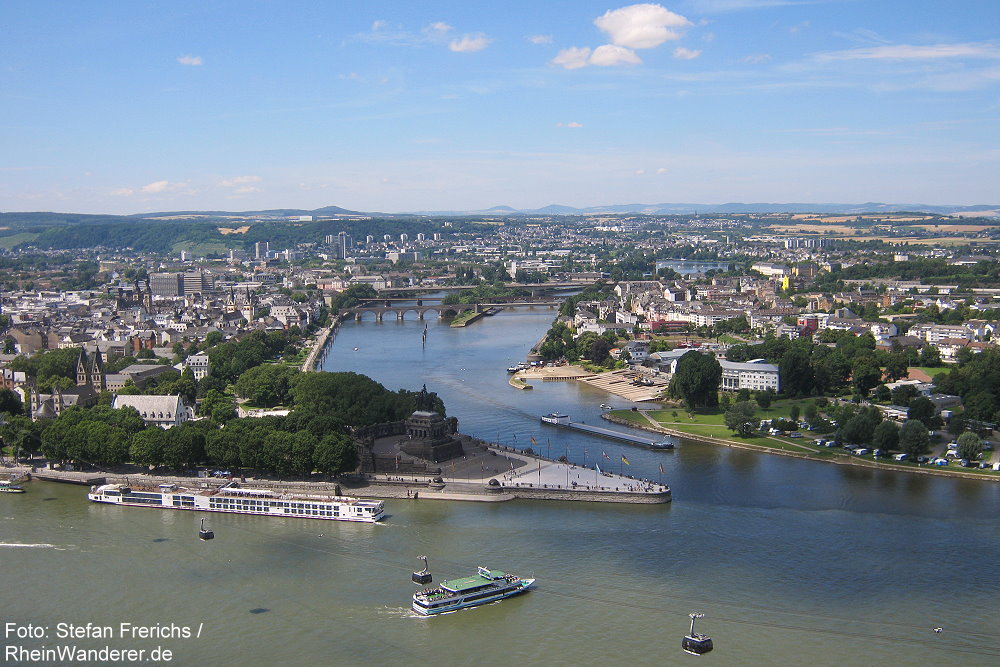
<point>484,586</point>
<point>556,419</point>
<point>236,500</point>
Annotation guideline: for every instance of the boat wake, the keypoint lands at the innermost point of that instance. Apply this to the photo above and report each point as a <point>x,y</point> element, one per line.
<point>399,612</point>
<point>15,545</point>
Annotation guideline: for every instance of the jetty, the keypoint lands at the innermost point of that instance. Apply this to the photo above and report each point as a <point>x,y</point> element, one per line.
<point>562,421</point>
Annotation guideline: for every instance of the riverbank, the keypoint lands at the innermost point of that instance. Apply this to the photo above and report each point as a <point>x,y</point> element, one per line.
<point>805,452</point>
<point>529,477</point>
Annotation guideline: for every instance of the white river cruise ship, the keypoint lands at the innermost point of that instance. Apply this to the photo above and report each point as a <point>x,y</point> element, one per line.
<point>237,500</point>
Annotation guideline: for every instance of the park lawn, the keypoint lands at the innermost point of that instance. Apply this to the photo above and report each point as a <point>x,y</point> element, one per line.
<point>934,372</point>
<point>631,417</point>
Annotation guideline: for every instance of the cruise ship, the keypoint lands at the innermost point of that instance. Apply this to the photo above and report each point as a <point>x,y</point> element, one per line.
<point>484,586</point>
<point>237,500</point>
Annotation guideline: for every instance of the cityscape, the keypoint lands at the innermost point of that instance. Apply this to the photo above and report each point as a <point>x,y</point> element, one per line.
<point>456,369</point>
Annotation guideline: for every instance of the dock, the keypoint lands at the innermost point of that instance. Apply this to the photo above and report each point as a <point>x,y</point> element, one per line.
<point>606,433</point>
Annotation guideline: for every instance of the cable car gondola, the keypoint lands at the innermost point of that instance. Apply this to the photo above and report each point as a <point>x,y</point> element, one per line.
<point>423,576</point>
<point>696,643</point>
<point>204,534</point>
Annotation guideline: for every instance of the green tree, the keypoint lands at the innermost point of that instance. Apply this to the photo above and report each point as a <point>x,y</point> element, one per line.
<point>866,375</point>
<point>10,402</point>
<point>697,379</point>
<point>741,418</point>
<point>970,446</point>
<point>914,438</point>
<point>885,436</point>
<point>335,454</point>
<point>147,447</point>
<point>765,398</point>
<point>922,408</point>
<point>796,372</point>
<point>266,385</point>
<point>930,356</point>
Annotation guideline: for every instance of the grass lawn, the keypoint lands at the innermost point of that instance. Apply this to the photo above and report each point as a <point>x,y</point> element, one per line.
<point>8,242</point>
<point>934,372</point>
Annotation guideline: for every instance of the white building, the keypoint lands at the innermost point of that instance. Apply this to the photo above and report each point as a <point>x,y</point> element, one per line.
<point>162,411</point>
<point>199,365</point>
<point>753,375</point>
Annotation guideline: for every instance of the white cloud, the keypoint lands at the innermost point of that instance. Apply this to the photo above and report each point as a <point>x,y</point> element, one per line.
<point>572,58</point>
<point>247,189</point>
<point>155,187</point>
<point>470,43</point>
<point>190,60</point>
<point>798,26</point>
<point>123,192</point>
<point>686,54</point>
<point>609,55</point>
<point>379,24</point>
<point>437,30</point>
<point>641,26</point>
<point>540,39</point>
<point>756,58</point>
<point>662,170</point>
<point>911,52</point>
<point>239,180</point>
<point>640,172</point>
<point>572,124</point>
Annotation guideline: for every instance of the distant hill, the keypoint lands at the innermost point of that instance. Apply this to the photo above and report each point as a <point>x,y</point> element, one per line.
<point>734,207</point>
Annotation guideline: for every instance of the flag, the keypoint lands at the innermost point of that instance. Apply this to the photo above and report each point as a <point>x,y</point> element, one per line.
<point>533,440</point>
<point>625,460</point>
<point>661,468</point>
<point>598,468</point>
<point>605,455</point>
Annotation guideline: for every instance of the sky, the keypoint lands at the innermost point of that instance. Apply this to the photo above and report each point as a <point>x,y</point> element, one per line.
<point>395,105</point>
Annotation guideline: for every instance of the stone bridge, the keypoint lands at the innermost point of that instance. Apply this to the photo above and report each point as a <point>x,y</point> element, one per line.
<point>383,307</point>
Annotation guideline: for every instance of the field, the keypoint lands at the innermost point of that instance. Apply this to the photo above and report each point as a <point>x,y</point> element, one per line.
<point>8,242</point>
<point>234,230</point>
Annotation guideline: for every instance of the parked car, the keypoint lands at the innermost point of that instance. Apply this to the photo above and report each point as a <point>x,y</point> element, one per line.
<point>901,457</point>
<point>794,434</point>
<point>860,451</point>
<point>940,461</point>
<point>922,459</point>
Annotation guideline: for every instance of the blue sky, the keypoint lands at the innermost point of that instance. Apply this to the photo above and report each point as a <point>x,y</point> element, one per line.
<point>128,107</point>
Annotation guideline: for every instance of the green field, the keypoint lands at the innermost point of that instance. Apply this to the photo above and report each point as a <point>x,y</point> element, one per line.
<point>8,242</point>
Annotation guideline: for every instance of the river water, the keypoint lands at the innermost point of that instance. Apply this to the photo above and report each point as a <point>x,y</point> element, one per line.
<point>791,561</point>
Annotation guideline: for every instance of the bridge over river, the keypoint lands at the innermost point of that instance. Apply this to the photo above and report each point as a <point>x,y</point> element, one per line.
<point>380,308</point>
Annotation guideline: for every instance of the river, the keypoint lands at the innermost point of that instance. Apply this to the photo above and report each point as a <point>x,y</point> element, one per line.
<point>792,561</point>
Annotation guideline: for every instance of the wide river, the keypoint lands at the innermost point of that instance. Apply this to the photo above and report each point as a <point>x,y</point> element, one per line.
<point>793,562</point>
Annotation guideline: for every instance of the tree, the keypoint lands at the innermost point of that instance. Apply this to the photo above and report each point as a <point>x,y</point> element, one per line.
<point>741,418</point>
<point>697,379</point>
<point>914,438</point>
<point>335,454</point>
<point>969,446</point>
<point>794,412</point>
<point>147,447</point>
<point>922,408</point>
<point>10,402</point>
<point>866,375</point>
<point>930,356</point>
<point>885,436</point>
<point>266,385</point>
<point>765,398</point>
<point>795,369</point>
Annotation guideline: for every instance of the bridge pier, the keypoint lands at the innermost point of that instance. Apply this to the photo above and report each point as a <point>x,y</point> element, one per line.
<point>399,315</point>
<point>420,314</point>
<point>357,317</point>
<point>378,316</point>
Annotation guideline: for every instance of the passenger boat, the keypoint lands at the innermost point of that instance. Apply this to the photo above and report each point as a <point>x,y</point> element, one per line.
<point>236,500</point>
<point>666,443</point>
<point>556,419</point>
<point>484,586</point>
<point>8,486</point>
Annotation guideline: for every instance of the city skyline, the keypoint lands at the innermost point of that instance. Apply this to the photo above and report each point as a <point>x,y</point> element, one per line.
<point>441,106</point>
